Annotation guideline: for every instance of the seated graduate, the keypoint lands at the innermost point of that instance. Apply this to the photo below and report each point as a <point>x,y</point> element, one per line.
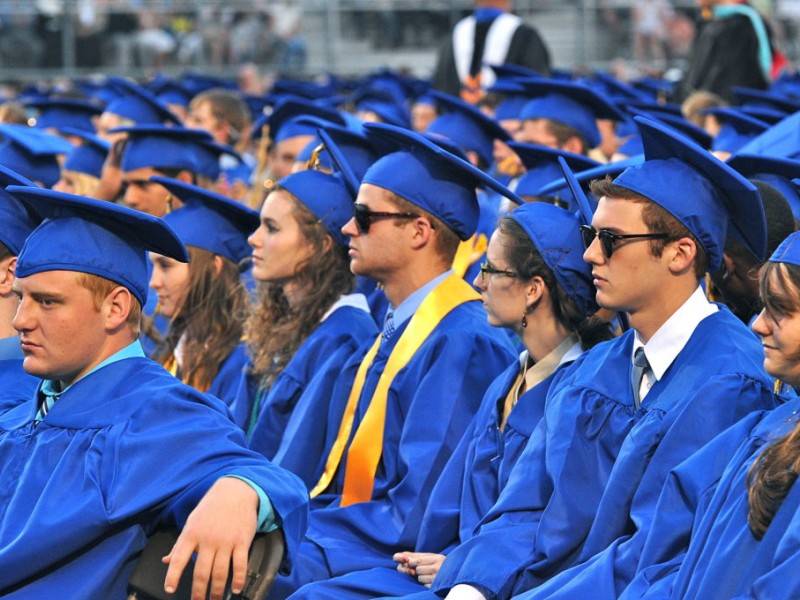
<point>306,322</point>
<point>111,445</point>
<point>205,300</point>
<point>536,284</point>
<point>81,169</point>
<point>612,433</point>
<point>16,224</point>
<point>728,519</point>
<point>413,395</point>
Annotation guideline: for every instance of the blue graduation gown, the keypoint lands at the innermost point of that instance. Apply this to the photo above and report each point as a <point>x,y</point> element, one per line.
<point>225,385</point>
<point>430,404</point>
<point>723,559</point>
<point>594,474</point>
<point>298,418</point>
<point>466,490</point>
<point>16,385</point>
<point>83,488</point>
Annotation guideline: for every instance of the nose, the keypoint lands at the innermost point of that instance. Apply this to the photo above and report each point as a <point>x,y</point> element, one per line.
<point>254,238</point>
<point>593,253</point>
<point>349,229</point>
<point>478,282</point>
<point>22,319</point>
<point>155,279</point>
<point>761,325</point>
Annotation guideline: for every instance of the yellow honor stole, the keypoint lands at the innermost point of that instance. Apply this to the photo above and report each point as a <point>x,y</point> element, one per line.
<point>469,253</point>
<point>365,451</point>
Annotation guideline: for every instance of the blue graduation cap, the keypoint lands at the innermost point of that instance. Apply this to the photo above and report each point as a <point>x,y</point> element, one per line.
<point>616,90</point>
<point>383,105</point>
<point>423,173</point>
<point>209,220</point>
<point>32,152</point>
<point>713,200</point>
<point>328,196</point>
<point>89,156</point>
<point>781,140</point>
<point>542,166</point>
<point>513,99</point>
<point>354,146</point>
<point>778,172</point>
<point>573,104</point>
<point>139,105</point>
<point>209,154</point>
<point>737,128</point>
<point>169,91</point>
<point>556,235</point>
<point>558,188</point>
<point>697,134</point>
<point>93,236</point>
<point>467,126</point>
<point>17,220</point>
<point>656,88</point>
<point>768,115</point>
<point>284,122</point>
<point>160,147</point>
<point>788,251</point>
<point>765,99</point>
<point>201,82</point>
<point>59,113</point>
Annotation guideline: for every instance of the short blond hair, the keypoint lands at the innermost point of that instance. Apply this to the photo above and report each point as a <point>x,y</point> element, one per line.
<point>100,288</point>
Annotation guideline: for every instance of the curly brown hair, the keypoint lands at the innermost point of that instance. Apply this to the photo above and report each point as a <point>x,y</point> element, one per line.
<point>210,319</point>
<point>274,329</point>
<point>774,472</point>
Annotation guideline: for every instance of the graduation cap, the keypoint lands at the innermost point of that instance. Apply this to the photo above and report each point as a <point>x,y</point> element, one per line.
<point>201,82</point>
<point>16,220</point>
<point>704,194</point>
<point>169,91</point>
<point>139,105</point>
<point>383,105</point>
<point>542,166</point>
<point>284,122</point>
<point>788,251</point>
<point>160,147</point>
<point>677,122</point>
<point>782,140</point>
<point>556,235</point>
<point>93,236</point>
<point>778,172</point>
<point>428,176</point>
<point>89,156</point>
<point>737,128</point>
<point>765,99</point>
<point>573,104</point>
<point>354,146</point>
<point>59,113</point>
<point>209,158</point>
<point>32,152</point>
<point>467,126</point>
<point>558,188</point>
<point>209,220</point>
<point>616,90</point>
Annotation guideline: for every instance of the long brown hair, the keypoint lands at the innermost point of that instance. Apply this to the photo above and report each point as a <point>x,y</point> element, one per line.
<point>525,260</point>
<point>275,330</point>
<point>774,472</point>
<point>210,319</point>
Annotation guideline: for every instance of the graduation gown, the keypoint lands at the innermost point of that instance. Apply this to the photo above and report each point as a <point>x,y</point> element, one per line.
<point>120,448</point>
<point>298,418</point>
<point>465,491</point>
<point>592,471</point>
<point>430,403</point>
<point>711,552</point>
<point>225,385</point>
<point>16,385</point>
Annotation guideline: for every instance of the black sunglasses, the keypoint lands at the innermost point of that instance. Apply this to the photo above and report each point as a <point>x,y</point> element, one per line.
<point>608,239</point>
<point>487,269</point>
<point>364,216</point>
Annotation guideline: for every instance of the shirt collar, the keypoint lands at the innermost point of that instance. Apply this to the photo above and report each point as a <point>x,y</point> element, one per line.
<point>665,345</point>
<point>133,350</point>
<point>356,300</point>
<point>409,306</point>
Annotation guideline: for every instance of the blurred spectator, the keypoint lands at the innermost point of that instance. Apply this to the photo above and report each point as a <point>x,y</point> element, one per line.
<point>651,23</point>
<point>287,21</point>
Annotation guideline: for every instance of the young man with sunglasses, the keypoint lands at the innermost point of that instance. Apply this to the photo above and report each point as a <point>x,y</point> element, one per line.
<point>569,521</point>
<point>410,399</point>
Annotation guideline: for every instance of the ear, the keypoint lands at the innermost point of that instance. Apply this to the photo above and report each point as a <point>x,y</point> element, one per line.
<point>573,144</point>
<point>682,255</point>
<point>327,244</point>
<point>422,232</point>
<point>7,267</point>
<point>728,265</point>
<point>535,289</point>
<point>217,265</point>
<point>116,307</point>
<point>184,176</point>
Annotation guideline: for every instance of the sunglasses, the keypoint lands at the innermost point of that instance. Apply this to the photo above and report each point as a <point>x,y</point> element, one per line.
<point>487,269</point>
<point>608,239</point>
<point>364,216</point>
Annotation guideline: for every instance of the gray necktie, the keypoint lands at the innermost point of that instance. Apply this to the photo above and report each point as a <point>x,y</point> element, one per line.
<point>640,365</point>
<point>388,326</point>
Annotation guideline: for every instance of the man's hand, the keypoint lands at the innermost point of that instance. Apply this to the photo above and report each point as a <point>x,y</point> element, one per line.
<point>422,565</point>
<point>220,529</point>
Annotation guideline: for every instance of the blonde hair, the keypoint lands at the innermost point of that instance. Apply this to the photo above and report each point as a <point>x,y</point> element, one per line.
<point>100,288</point>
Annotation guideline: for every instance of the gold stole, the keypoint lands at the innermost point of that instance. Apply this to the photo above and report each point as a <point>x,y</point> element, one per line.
<point>469,253</point>
<point>171,365</point>
<point>365,451</point>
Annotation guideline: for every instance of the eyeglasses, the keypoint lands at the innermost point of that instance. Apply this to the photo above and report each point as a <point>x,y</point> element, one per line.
<point>608,239</point>
<point>364,216</point>
<point>487,269</point>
